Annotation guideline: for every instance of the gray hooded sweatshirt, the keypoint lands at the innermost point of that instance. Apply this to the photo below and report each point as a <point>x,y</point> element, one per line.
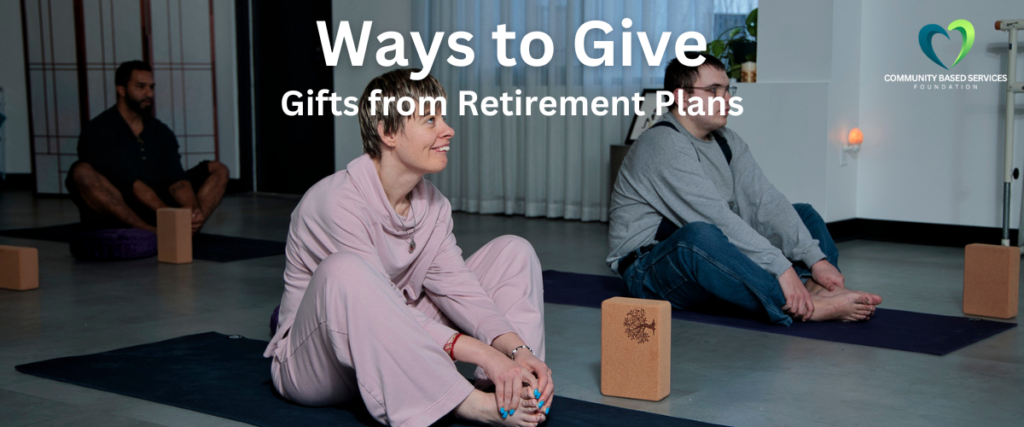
<point>675,175</point>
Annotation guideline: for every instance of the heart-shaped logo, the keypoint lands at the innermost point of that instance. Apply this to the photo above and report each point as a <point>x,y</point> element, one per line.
<point>925,39</point>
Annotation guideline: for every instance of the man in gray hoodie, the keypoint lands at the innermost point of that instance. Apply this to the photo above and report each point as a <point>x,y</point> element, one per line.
<point>695,222</point>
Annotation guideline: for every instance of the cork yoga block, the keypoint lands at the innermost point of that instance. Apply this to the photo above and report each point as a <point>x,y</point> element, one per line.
<point>991,280</point>
<point>636,343</point>
<point>174,235</point>
<point>19,268</point>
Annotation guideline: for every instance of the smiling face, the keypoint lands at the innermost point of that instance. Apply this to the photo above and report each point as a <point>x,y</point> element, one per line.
<point>381,132</point>
<point>420,146</point>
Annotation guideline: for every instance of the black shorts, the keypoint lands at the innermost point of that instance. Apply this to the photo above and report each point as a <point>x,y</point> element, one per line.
<point>196,176</point>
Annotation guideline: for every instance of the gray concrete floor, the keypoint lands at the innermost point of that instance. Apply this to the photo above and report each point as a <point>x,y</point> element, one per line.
<point>719,374</point>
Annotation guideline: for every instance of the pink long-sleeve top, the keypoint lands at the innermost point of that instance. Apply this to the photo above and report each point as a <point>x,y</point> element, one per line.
<point>349,212</point>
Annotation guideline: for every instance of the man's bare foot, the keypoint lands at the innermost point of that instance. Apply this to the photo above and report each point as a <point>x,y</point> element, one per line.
<point>849,306</point>
<point>814,288</point>
<point>481,408</point>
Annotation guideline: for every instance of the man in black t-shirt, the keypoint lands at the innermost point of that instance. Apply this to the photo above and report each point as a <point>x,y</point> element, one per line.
<point>128,163</point>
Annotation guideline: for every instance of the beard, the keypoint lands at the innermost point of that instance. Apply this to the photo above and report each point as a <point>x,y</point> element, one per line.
<point>136,105</point>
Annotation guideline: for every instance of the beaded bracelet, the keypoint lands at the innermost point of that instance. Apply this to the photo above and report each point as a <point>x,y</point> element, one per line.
<point>513,355</point>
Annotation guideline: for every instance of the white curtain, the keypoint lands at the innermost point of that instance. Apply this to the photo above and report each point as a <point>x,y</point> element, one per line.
<point>555,167</point>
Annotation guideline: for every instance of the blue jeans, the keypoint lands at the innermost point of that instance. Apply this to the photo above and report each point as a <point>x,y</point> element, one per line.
<point>698,269</point>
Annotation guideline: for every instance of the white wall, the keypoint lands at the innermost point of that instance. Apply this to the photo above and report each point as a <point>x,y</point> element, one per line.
<point>12,79</point>
<point>785,125</point>
<point>805,101</point>
<point>387,15</point>
<point>928,156</point>
<point>794,41</point>
<point>843,110</point>
<point>934,156</point>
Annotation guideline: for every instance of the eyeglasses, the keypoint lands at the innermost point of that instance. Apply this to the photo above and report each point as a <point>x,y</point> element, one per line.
<point>717,90</point>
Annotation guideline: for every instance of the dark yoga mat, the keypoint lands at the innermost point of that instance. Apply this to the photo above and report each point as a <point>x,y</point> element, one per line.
<point>892,329</point>
<point>208,247</point>
<point>229,378</point>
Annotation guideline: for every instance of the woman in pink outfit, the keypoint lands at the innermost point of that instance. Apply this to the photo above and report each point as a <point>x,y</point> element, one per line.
<point>378,301</point>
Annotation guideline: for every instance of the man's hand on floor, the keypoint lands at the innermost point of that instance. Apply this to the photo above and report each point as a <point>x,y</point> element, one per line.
<point>828,275</point>
<point>798,299</point>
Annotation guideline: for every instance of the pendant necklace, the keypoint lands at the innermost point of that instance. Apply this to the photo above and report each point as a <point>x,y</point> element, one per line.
<point>412,237</point>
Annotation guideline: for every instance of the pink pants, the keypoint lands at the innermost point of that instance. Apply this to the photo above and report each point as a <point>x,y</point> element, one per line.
<point>354,335</point>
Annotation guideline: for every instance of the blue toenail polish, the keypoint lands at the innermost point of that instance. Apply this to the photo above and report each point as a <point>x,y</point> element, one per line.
<point>512,412</point>
<point>541,404</point>
<point>546,410</point>
<point>536,393</point>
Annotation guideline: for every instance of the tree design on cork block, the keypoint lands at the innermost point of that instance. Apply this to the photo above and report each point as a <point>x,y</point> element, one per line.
<point>636,325</point>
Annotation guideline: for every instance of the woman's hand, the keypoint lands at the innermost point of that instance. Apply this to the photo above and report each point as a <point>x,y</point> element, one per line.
<point>508,378</point>
<point>545,387</point>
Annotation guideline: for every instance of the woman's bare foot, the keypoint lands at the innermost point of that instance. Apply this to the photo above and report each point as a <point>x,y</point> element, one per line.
<point>848,306</point>
<point>528,402</point>
<point>481,408</point>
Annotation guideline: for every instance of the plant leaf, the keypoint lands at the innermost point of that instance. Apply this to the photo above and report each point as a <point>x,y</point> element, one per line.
<point>727,30</point>
<point>734,32</point>
<point>717,48</point>
<point>752,23</point>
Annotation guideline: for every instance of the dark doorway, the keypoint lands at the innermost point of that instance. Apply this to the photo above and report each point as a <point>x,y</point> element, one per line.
<point>292,152</point>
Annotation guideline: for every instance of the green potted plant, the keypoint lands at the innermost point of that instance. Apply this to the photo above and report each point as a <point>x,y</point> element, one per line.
<point>737,45</point>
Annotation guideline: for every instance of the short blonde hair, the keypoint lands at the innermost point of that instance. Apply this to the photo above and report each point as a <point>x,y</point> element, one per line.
<point>393,84</point>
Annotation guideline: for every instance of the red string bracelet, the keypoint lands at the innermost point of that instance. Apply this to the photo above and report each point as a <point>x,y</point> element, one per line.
<point>451,352</point>
<point>448,345</point>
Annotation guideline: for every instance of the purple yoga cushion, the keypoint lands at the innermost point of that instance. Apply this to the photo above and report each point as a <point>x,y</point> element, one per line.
<point>113,244</point>
<point>273,320</point>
